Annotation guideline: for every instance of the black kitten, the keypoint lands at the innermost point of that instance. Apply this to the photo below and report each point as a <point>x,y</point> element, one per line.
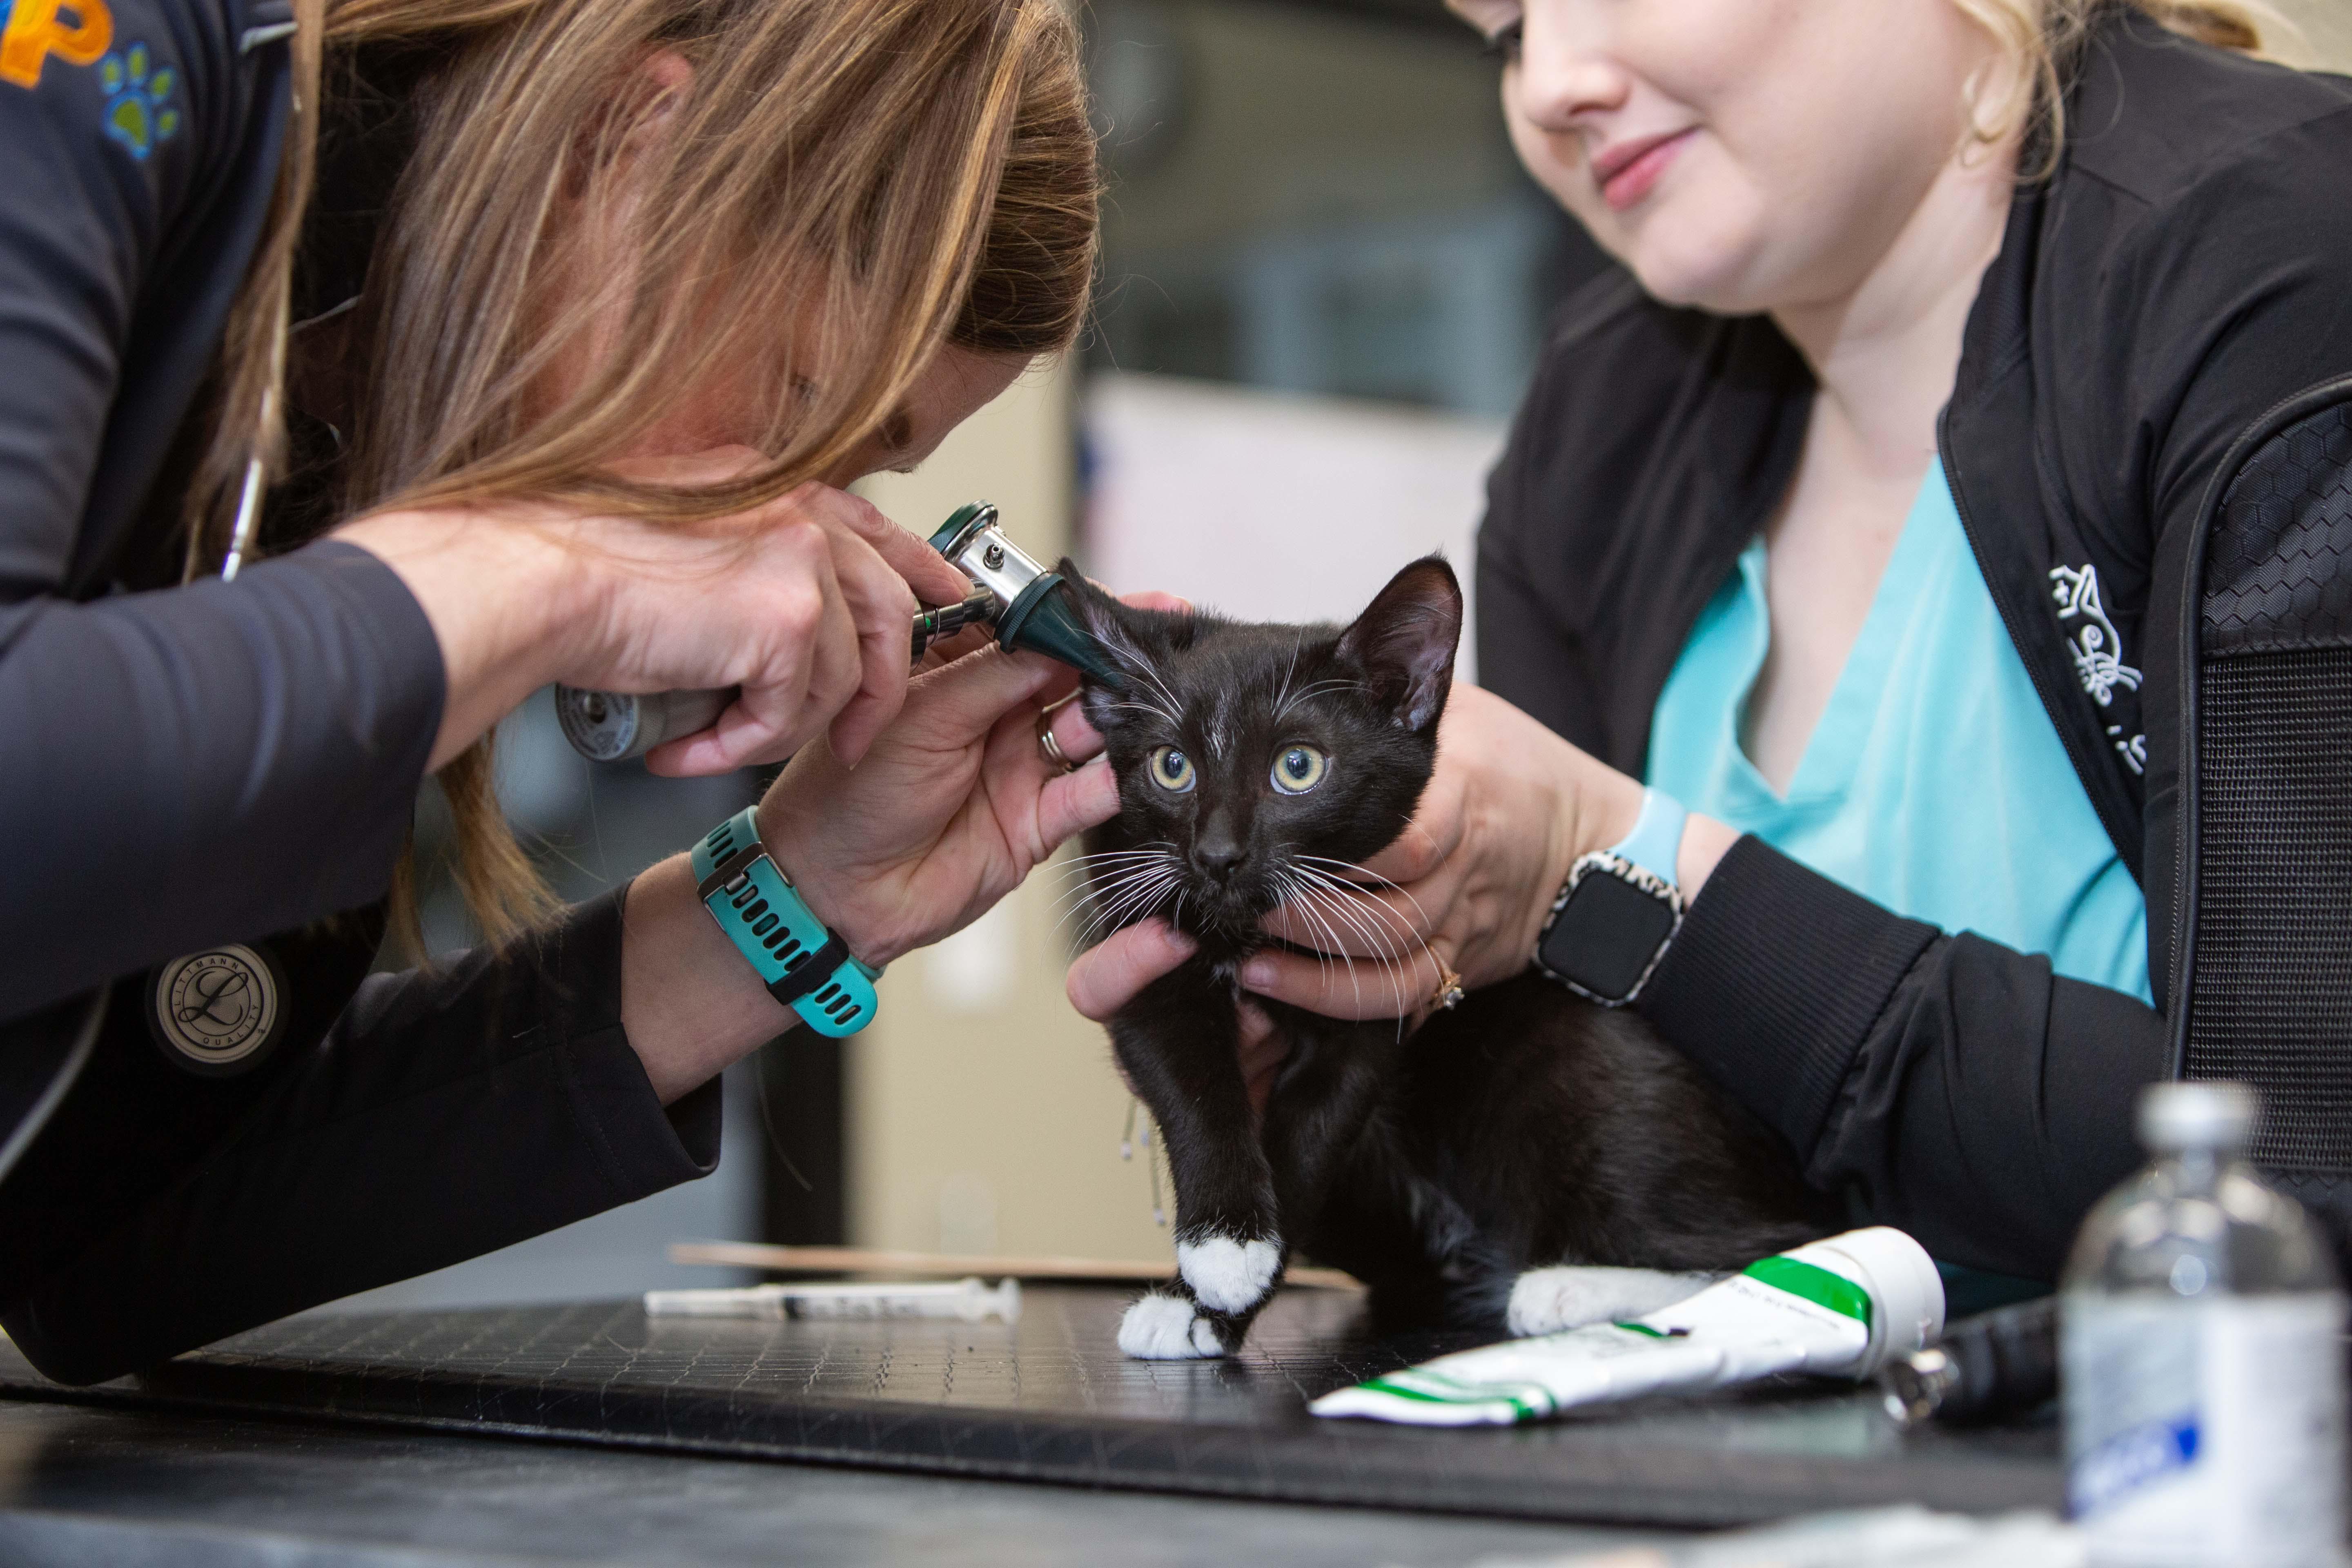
<point>1473,1173</point>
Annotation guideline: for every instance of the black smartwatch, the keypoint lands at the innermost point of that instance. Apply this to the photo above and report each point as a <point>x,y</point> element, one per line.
<point>1619,910</point>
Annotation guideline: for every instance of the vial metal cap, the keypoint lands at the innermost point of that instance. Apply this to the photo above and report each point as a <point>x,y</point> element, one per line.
<point>2177,1116</point>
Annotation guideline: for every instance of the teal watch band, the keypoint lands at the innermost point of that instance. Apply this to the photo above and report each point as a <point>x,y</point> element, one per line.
<point>1656,841</point>
<point>804,966</point>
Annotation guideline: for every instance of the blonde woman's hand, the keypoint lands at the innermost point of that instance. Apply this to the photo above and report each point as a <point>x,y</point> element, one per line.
<point>805,602</point>
<point>1468,884</point>
<point>952,807</point>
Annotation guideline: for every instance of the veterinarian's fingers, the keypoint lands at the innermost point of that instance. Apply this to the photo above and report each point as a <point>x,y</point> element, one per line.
<point>1106,978</point>
<point>1072,802</point>
<point>946,650</point>
<point>1354,989</point>
<point>1076,738</point>
<point>1153,599</point>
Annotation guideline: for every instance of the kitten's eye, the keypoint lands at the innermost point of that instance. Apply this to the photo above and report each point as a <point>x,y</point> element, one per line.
<point>1171,770</point>
<point>1299,769</point>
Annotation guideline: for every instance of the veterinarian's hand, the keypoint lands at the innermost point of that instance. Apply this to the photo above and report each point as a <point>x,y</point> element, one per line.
<point>1470,881</point>
<point>1107,977</point>
<point>952,807</point>
<point>803,602</point>
<point>949,810</point>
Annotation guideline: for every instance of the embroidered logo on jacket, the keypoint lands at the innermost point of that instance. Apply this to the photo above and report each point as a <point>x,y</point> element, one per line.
<point>38,29</point>
<point>2098,650</point>
<point>139,113</point>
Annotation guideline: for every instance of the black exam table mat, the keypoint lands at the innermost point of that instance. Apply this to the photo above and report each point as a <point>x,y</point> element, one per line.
<point>1052,1400</point>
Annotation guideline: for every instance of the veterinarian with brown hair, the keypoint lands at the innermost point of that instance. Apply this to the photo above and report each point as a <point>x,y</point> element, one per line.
<point>597,305</point>
<point>1846,575</point>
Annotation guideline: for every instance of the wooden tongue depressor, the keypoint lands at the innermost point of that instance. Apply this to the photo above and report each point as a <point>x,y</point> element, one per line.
<point>951,1265</point>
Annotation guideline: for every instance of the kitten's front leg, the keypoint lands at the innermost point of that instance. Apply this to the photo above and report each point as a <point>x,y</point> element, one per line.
<point>1179,1042</point>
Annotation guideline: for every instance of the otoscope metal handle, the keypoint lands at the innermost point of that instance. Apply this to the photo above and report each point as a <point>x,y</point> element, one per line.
<point>1030,607</point>
<point>609,726</point>
<point>613,726</point>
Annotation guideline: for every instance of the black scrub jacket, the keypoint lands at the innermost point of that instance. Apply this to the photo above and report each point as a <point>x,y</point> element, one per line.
<point>190,766</point>
<point>2185,272</point>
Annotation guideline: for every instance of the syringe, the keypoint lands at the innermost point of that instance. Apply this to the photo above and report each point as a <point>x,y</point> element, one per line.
<point>967,1299</point>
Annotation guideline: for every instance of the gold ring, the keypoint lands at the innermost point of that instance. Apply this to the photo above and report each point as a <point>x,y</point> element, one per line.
<point>1449,992</point>
<point>1050,748</point>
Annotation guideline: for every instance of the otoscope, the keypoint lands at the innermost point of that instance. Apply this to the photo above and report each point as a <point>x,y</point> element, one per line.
<point>1030,607</point>
<point>1995,1364</point>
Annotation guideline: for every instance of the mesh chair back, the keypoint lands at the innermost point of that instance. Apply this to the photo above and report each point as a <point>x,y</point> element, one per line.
<point>2269,789</point>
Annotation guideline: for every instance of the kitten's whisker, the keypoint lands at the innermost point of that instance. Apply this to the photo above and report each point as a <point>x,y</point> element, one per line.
<point>1316,893</point>
<point>1157,846</point>
<point>1137,897</point>
<point>1148,710</point>
<point>1175,708</point>
<point>1145,883</point>
<point>1363,901</point>
<point>1373,936</point>
<point>1380,884</point>
<point>1383,954</point>
<point>1280,706</point>
<point>1390,958</point>
<point>1090,876</point>
<point>1291,889</point>
<point>1305,904</point>
<point>1104,877</point>
<point>1115,899</point>
<point>1315,901</point>
<point>1310,689</point>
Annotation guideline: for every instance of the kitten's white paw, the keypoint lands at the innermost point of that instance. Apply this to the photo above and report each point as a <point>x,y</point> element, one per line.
<point>1228,1275</point>
<point>1546,1300</point>
<point>1161,1327</point>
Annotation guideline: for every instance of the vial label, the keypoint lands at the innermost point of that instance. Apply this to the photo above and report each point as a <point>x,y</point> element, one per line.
<point>2205,1433</point>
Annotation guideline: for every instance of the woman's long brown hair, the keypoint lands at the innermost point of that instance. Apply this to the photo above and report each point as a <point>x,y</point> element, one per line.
<point>843,187</point>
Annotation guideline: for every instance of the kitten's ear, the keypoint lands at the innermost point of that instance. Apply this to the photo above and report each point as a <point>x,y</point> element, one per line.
<point>1405,642</point>
<point>1121,632</point>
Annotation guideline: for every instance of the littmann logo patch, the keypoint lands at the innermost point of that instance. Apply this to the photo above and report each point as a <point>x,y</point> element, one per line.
<point>218,1012</point>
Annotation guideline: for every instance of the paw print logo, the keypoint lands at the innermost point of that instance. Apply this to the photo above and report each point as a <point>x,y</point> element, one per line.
<point>138,111</point>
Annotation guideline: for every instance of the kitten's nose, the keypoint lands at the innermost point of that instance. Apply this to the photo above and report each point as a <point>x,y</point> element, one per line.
<point>1218,856</point>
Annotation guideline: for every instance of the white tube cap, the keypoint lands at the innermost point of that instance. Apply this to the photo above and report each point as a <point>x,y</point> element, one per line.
<point>2177,1116</point>
<point>1907,1294</point>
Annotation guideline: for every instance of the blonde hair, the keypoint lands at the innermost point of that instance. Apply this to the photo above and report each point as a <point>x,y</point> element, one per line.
<point>853,184</point>
<point>2040,39</point>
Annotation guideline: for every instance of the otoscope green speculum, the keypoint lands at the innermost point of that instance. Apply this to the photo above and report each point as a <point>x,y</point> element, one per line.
<point>1031,608</point>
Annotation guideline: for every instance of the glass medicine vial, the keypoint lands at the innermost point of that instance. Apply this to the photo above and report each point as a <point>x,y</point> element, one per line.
<point>2202,1362</point>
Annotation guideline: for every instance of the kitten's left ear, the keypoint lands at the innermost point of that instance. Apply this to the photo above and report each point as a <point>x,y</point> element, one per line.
<point>1121,633</point>
<point>1404,641</point>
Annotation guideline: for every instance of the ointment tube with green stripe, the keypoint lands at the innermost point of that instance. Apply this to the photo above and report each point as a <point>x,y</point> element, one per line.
<point>1839,1308</point>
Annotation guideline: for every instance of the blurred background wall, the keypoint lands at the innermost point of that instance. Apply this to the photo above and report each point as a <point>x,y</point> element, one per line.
<point>2328,30</point>
<point>1324,281</point>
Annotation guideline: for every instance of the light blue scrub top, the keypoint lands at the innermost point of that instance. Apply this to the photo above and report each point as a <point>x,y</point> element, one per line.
<point>1935,785</point>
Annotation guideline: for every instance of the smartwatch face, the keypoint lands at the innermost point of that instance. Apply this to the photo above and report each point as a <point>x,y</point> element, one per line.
<point>1605,936</point>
